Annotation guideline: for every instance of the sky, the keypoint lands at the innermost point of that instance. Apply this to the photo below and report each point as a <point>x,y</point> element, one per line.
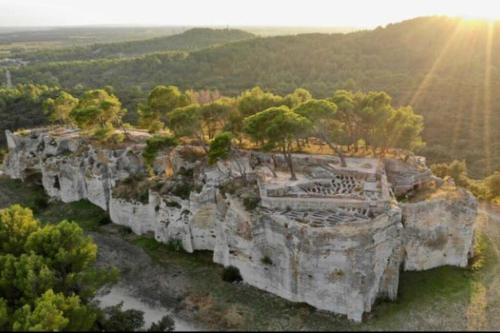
<point>347,13</point>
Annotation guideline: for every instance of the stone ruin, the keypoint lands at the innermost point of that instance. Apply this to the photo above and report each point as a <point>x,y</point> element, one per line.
<point>335,238</point>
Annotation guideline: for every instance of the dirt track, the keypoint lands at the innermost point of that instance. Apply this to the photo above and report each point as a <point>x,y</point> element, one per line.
<point>143,285</point>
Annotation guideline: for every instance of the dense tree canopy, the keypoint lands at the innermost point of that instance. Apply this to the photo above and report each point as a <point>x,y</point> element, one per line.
<point>161,101</point>
<point>220,147</point>
<point>278,128</point>
<point>98,112</point>
<point>47,274</point>
<point>22,107</point>
<point>325,126</point>
<point>407,60</point>
<point>59,109</point>
<point>192,39</point>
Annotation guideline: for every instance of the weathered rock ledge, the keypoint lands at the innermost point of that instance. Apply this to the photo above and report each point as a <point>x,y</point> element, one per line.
<point>335,238</point>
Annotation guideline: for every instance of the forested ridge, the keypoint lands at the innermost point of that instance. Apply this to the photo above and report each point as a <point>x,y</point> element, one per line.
<point>446,68</point>
<point>192,39</point>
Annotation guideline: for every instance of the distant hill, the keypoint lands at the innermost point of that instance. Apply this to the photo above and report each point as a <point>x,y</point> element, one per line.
<point>29,39</point>
<point>190,40</point>
<point>284,30</point>
<point>446,68</point>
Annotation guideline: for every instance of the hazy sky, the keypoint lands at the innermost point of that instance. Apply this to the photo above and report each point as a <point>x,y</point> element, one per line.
<point>357,13</point>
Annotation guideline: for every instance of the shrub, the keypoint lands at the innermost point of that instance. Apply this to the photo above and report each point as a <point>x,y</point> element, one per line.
<point>154,145</point>
<point>250,203</point>
<point>456,170</point>
<point>440,169</point>
<point>166,324</point>
<point>148,243</point>
<point>104,220</point>
<point>173,204</point>
<point>126,230</point>
<point>41,203</point>
<point>117,138</point>
<point>114,318</point>
<point>3,153</point>
<point>480,251</point>
<point>220,147</point>
<point>175,245</point>
<point>182,190</point>
<point>188,173</point>
<point>231,274</point>
<point>104,134</point>
<point>266,260</point>
<point>493,185</point>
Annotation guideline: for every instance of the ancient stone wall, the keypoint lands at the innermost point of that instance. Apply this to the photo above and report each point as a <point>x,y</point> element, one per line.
<point>337,247</point>
<point>340,267</point>
<point>439,231</point>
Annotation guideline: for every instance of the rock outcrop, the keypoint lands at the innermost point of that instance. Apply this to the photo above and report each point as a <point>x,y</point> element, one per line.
<point>439,231</point>
<point>334,238</point>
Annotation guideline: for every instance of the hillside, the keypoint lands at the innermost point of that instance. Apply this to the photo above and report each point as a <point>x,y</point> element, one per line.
<point>193,39</point>
<point>436,64</point>
<point>30,39</point>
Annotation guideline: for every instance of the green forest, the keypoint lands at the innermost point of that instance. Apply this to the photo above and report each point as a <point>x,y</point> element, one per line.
<point>427,86</point>
<point>193,39</point>
<point>445,68</point>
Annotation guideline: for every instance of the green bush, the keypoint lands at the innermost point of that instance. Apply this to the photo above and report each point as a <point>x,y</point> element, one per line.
<point>251,203</point>
<point>104,220</point>
<point>266,260</point>
<point>182,190</point>
<point>126,231</point>
<point>166,324</point>
<point>173,204</point>
<point>3,153</point>
<point>493,185</point>
<point>41,203</point>
<point>154,145</point>
<point>148,243</point>
<point>175,245</point>
<point>48,274</point>
<point>115,319</point>
<point>231,274</point>
<point>220,147</point>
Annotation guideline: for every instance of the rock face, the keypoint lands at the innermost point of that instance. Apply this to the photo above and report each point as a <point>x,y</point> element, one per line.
<point>439,231</point>
<point>341,268</point>
<point>407,175</point>
<point>334,238</point>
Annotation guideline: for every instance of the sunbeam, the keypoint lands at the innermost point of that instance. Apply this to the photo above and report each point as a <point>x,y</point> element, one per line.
<point>429,75</point>
<point>487,96</point>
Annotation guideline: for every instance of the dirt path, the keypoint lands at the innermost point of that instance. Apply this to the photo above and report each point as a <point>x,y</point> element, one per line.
<point>143,285</point>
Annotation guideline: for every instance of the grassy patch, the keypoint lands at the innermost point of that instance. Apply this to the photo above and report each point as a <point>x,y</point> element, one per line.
<point>147,243</point>
<point>87,215</point>
<point>14,191</point>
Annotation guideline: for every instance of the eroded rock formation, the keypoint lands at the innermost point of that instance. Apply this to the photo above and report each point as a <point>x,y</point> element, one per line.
<point>334,238</point>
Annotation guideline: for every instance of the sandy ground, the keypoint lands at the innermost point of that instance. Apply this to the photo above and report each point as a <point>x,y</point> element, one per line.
<point>152,313</point>
<point>143,285</point>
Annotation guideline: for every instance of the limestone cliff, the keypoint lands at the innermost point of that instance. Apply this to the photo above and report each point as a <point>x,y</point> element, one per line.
<point>439,231</point>
<point>334,238</point>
